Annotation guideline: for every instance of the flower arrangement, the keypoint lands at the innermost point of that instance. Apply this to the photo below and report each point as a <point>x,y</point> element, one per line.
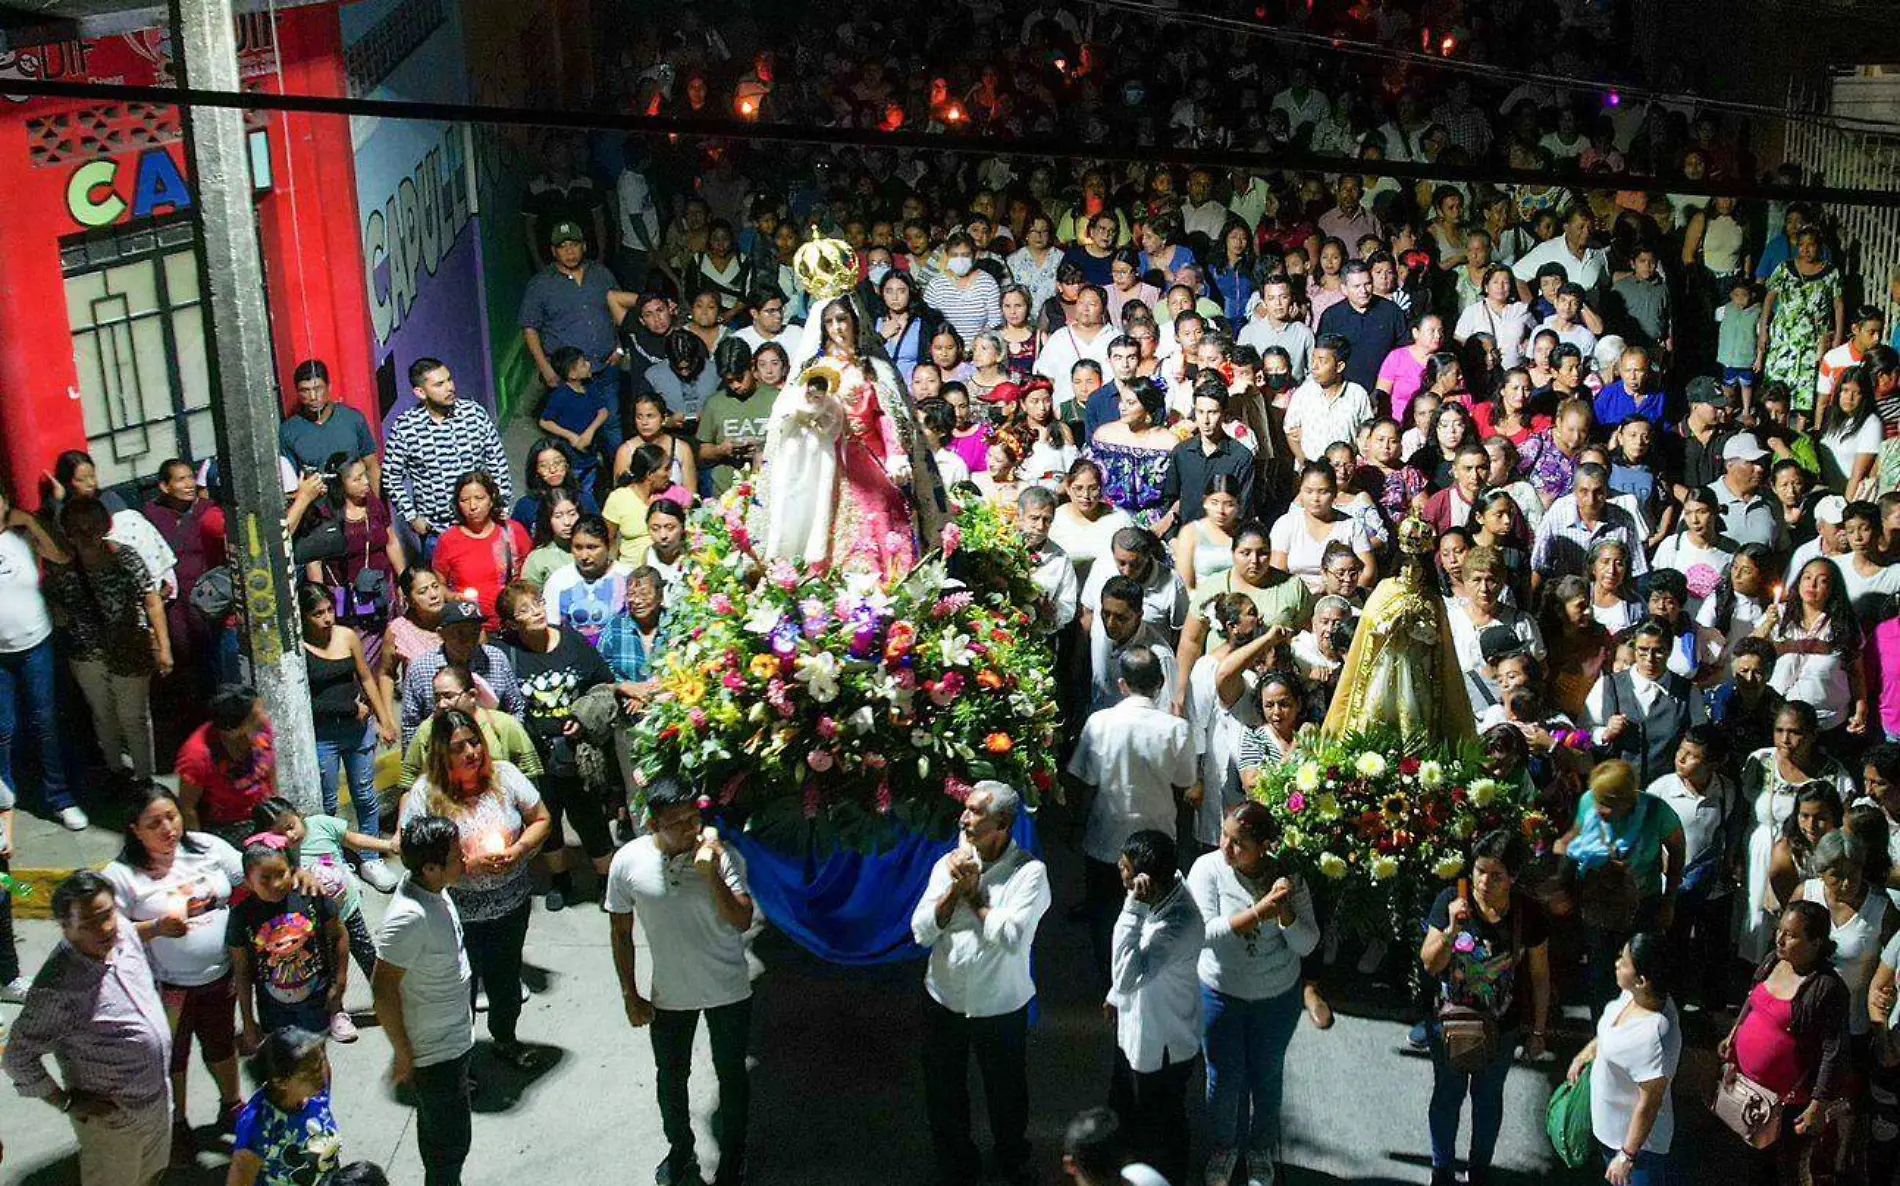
<point>1383,820</point>
<point>842,708</point>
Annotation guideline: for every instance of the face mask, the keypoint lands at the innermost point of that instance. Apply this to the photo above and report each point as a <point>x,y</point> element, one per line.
<point>960,265</point>
<point>1279,381</point>
<point>878,272</point>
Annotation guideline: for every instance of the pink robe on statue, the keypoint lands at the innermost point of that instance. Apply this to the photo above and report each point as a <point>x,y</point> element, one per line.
<point>873,529</point>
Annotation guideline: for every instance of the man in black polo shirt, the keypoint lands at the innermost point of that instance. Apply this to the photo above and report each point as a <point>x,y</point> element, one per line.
<point>1208,452</point>
<point>1704,432</point>
<point>1374,325</point>
<point>322,430</point>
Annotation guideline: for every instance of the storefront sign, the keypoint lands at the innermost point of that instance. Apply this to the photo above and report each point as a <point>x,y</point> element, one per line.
<point>103,192</point>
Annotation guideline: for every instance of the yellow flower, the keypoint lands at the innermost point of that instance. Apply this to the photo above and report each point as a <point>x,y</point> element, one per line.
<point>1449,867</point>
<point>1331,866</point>
<point>1292,838</point>
<point>1384,868</point>
<point>1307,777</point>
<point>690,691</point>
<point>1395,806</point>
<point>1370,765</point>
<point>764,666</point>
<point>1483,792</point>
<point>1431,775</point>
<point>1327,807</point>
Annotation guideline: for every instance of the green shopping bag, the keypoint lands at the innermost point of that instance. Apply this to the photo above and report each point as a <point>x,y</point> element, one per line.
<point>1568,1122</point>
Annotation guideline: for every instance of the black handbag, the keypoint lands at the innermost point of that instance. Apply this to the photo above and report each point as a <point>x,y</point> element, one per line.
<point>325,541</point>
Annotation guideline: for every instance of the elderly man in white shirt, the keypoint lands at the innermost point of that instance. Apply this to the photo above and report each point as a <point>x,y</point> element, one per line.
<point>978,917</point>
<point>1583,264</point>
<point>1155,991</point>
<point>1136,757</point>
<point>1055,572</point>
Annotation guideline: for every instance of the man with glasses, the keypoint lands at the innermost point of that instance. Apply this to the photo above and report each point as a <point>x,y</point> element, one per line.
<point>1640,714</point>
<point>767,306</point>
<point>689,891</point>
<point>456,687</point>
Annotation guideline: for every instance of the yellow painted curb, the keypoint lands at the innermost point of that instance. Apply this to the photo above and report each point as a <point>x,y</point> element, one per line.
<point>38,904</point>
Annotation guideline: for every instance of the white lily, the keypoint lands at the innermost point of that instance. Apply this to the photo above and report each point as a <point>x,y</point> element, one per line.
<point>956,650</point>
<point>819,673</point>
<point>763,618</point>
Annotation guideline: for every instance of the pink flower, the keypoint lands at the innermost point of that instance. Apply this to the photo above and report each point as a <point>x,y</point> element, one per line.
<point>1296,803</point>
<point>811,800</point>
<point>1464,944</point>
<point>734,682</point>
<point>952,539</point>
<point>948,689</point>
<point>884,796</point>
<point>721,604</point>
<point>953,603</point>
<point>820,760</point>
<point>742,540</point>
<point>698,718</point>
<point>876,761</point>
<point>778,696</point>
<point>782,574</point>
<point>956,788</point>
<point>827,728</point>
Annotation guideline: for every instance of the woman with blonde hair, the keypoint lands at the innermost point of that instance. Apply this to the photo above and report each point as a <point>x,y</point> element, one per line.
<point>1628,848</point>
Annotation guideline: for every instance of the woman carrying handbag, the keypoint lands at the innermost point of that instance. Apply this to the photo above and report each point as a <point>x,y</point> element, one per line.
<point>1786,1062</point>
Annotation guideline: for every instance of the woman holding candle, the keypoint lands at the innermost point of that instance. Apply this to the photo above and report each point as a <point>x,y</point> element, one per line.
<point>175,887</point>
<point>502,822</point>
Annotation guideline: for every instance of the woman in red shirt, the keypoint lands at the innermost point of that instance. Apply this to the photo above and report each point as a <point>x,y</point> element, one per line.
<point>483,552</point>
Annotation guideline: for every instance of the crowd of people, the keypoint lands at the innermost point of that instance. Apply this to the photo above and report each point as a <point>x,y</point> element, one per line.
<point>1658,445</point>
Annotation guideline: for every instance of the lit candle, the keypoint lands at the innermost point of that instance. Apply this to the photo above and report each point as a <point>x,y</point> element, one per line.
<point>493,844</point>
<point>1774,595</point>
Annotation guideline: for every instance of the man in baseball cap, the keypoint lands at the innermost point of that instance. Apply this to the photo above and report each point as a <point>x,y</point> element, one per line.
<point>565,305</point>
<point>1749,516</point>
<point>1704,431</point>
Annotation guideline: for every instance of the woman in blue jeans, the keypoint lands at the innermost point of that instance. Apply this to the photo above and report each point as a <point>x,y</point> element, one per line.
<point>343,696</point>
<point>1480,939</point>
<point>28,674</point>
<point>1259,924</point>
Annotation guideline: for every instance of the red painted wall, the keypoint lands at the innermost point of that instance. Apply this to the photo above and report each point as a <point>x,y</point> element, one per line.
<point>308,235</point>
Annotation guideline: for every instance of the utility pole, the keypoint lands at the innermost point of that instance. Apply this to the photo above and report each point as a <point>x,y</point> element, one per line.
<point>245,410</point>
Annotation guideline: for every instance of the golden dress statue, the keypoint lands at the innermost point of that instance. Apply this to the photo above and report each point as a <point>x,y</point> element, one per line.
<point>1402,672</point>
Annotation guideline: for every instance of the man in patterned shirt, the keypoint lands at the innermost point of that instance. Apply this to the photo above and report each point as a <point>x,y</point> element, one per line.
<point>95,1008</point>
<point>431,445</point>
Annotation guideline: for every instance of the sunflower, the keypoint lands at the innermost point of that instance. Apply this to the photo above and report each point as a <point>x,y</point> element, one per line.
<point>1395,805</point>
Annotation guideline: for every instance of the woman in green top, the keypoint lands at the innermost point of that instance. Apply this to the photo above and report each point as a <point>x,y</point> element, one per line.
<point>553,529</point>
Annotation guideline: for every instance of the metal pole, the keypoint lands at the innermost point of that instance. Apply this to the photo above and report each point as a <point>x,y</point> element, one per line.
<point>245,410</point>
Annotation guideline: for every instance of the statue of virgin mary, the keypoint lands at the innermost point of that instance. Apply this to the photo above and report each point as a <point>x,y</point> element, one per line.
<point>848,481</point>
<point>1402,672</point>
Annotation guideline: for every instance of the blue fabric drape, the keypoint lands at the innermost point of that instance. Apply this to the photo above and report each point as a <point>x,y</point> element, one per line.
<point>851,907</point>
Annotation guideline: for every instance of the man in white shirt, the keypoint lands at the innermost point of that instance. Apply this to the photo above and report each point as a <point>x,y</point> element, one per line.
<point>1270,322</point>
<point>1200,213</point>
<point>1829,542</point>
<point>690,893</point>
<point>1583,264</point>
<point>978,917</point>
<point>639,225</point>
<point>1328,408</point>
<point>767,306</point>
<point>1300,103</point>
<point>1137,757</point>
<point>1055,572</point>
<point>1117,628</point>
<point>421,987</point>
<point>1155,990</point>
<point>1639,714</point>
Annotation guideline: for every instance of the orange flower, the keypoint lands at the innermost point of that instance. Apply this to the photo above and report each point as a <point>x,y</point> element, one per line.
<point>998,743</point>
<point>989,678</point>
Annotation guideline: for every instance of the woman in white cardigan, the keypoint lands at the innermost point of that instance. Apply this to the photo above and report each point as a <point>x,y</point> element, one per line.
<point>1260,924</point>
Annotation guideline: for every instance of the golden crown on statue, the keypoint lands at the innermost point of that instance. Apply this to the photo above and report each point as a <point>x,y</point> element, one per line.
<point>826,267</point>
<point>1416,537</point>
